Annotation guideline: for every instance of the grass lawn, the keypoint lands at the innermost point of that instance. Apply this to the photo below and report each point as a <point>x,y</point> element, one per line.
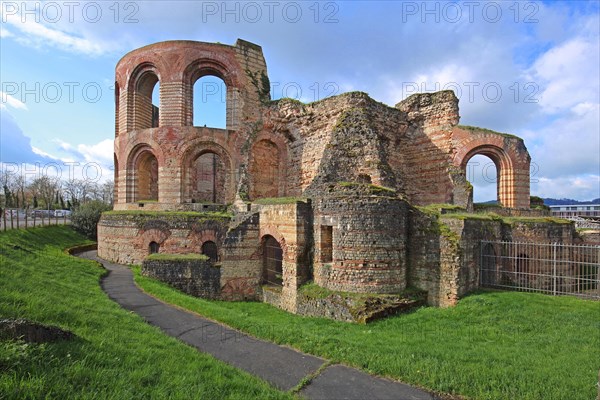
<point>115,355</point>
<point>493,345</point>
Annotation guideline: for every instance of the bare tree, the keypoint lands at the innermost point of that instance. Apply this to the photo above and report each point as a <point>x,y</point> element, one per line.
<point>108,190</point>
<point>80,190</point>
<point>45,188</point>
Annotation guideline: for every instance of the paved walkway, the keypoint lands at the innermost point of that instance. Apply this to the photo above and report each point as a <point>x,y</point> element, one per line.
<point>281,366</point>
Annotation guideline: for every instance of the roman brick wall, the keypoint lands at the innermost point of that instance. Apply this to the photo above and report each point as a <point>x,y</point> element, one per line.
<point>427,147</point>
<point>368,242</point>
<point>176,65</point>
<point>506,151</point>
<point>125,237</point>
<point>241,262</point>
<point>291,226</point>
<point>444,252</point>
<point>198,278</point>
<point>177,150</point>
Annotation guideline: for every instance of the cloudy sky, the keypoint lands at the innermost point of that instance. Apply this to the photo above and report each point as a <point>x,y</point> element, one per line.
<point>526,68</point>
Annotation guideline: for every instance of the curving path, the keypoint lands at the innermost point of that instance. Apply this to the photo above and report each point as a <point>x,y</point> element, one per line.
<point>281,366</point>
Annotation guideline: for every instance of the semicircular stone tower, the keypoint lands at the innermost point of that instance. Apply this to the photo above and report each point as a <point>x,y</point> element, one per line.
<point>290,192</point>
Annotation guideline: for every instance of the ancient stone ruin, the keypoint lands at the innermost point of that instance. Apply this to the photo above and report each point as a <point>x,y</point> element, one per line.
<point>347,193</point>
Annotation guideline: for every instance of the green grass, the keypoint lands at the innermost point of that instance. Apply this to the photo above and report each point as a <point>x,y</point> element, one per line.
<point>485,130</point>
<point>492,345</point>
<point>166,214</point>
<point>280,200</point>
<point>168,257</point>
<point>116,354</point>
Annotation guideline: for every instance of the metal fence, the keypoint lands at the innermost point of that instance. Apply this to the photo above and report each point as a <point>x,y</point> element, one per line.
<point>554,268</point>
<point>23,221</point>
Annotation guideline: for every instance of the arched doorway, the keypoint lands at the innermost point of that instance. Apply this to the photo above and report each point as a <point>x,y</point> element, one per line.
<point>146,173</point>
<point>272,262</point>
<point>209,249</point>
<point>483,174</point>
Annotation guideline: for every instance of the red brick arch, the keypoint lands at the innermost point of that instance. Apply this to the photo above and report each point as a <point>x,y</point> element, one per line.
<point>217,65</point>
<point>196,149</point>
<point>270,230</point>
<point>137,173</point>
<point>508,154</point>
<point>154,235</point>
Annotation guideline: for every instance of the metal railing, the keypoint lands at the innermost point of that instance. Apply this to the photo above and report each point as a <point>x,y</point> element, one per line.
<point>9,220</point>
<point>553,268</point>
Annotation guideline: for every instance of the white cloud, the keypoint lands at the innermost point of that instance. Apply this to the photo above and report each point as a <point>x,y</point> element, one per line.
<point>37,34</point>
<point>101,152</point>
<point>568,74</point>
<point>42,153</point>
<point>5,33</point>
<point>585,187</point>
<point>7,99</point>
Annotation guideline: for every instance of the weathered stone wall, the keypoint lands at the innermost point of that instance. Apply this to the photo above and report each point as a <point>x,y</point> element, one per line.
<point>368,244</point>
<point>241,263</point>
<point>291,226</point>
<point>198,278</point>
<point>176,65</point>
<point>125,237</point>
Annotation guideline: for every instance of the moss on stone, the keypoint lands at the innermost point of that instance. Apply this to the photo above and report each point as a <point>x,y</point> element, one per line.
<point>177,257</point>
<point>172,214</point>
<point>374,189</point>
<point>485,130</point>
<point>262,84</point>
<point>365,307</point>
<point>439,208</point>
<point>280,200</point>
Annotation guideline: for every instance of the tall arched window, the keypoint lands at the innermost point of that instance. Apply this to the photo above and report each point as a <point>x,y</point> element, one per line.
<point>147,101</point>
<point>210,102</point>
<point>146,177</point>
<point>156,105</point>
<point>482,173</point>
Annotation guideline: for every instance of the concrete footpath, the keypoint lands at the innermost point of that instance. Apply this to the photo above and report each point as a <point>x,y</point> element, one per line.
<point>281,366</point>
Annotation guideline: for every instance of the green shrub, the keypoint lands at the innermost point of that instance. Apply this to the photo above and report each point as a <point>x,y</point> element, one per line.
<point>85,217</point>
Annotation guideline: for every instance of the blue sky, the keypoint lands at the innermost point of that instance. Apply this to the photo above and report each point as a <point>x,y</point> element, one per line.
<point>527,68</point>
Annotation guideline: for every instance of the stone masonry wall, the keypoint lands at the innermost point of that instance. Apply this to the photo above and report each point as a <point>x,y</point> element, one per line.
<point>241,263</point>
<point>124,237</point>
<point>368,246</point>
<point>444,252</point>
<point>291,226</point>
<point>198,278</point>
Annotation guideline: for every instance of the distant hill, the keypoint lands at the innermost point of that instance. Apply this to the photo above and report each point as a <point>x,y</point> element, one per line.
<point>554,202</point>
<point>563,202</point>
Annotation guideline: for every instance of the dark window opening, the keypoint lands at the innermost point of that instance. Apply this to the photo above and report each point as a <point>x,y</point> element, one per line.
<point>272,262</point>
<point>210,250</point>
<point>153,247</point>
<point>326,243</point>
